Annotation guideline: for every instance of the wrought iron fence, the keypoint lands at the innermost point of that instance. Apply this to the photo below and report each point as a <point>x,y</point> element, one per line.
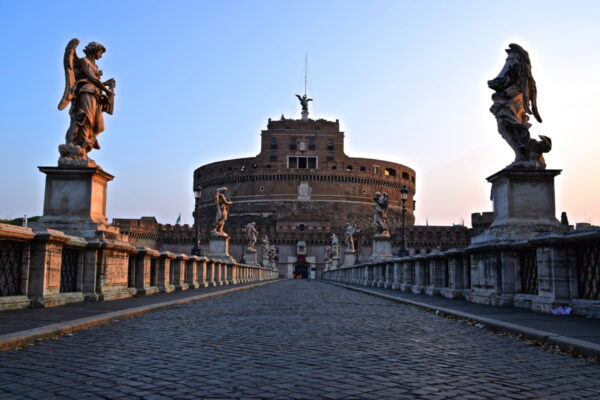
<point>11,263</point>
<point>529,271</point>
<point>68,271</point>
<point>131,272</point>
<point>153,271</point>
<point>588,271</point>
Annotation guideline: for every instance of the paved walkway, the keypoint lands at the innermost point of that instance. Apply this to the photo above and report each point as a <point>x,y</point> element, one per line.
<point>580,333</point>
<point>292,340</point>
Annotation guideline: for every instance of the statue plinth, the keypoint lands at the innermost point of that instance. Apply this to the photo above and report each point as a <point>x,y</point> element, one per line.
<point>349,257</point>
<point>75,200</point>
<point>75,204</point>
<point>304,115</point>
<point>382,247</point>
<point>250,256</point>
<point>524,205</point>
<point>218,247</point>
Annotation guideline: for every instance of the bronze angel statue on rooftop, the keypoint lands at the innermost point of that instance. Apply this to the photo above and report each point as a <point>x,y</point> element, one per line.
<point>304,102</point>
<point>89,98</point>
<point>515,98</point>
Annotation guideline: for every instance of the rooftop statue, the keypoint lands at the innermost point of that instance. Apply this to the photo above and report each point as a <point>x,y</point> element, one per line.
<point>89,98</point>
<point>223,205</point>
<point>380,215</point>
<point>304,102</point>
<point>515,98</point>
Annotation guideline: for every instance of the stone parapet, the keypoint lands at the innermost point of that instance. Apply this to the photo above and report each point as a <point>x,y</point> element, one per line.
<point>541,273</point>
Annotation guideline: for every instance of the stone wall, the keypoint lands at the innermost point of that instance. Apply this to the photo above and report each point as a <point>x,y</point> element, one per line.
<point>542,273</point>
<point>45,268</point>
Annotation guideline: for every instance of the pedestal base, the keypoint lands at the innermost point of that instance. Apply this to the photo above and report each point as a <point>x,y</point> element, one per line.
<point>524,205</point>
<point>349,258</point>
<point>219,248</point>
<point>250,256</point>
<point>382,248</point>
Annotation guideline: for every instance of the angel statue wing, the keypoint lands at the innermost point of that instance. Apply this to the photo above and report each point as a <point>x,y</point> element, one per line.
<point>299,98</point>
<point>70,63</point>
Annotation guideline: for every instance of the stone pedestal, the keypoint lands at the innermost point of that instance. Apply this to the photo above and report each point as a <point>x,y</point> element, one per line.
<point>250,256</point>
<point>219,248</point>
<point>75,200</point>
<point>75,203</point>
<point>524,205</point>
<point>382,248</point>
<point>335,262</point>
<point>349,257</point>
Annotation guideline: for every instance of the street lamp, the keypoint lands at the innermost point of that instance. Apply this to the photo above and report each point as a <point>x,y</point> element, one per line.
<point>403,252</point>
<point>196,251</point>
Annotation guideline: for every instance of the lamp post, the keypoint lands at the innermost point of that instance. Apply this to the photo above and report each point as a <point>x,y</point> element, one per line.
<point>403,252</point>
<point>196,249</point>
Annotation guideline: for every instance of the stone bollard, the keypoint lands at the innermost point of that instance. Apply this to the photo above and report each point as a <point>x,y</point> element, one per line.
<point>178,266</point>
<point>143,275</point>
<point>163,273</point>
<point>191,272</point>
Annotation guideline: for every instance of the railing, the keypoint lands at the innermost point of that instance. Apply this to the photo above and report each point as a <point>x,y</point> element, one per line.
<point>11,264</point>
<point>47,268</point>
<point>68,270</point>
<point>540,274</point>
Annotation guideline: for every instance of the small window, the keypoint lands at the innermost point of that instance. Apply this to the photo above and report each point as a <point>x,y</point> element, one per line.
<point>312,162</point>
<point>292,162</point>
<point>329,144</point>
<point>413,179</point>
<point>405,175</point>
<point>273,155</point>
<point>363,169</point>
<point>268,165</point>
<point>311,144</point>
<point>348,167</point>
<point>254,166</point>
<point>293,144</point>
<point>390,172</point>
<point>273,143</point>
<point>301,227</point>
<point>330,156</point>
<point>302,162</point>
<point>262,188</point>
<point>228,168</point>
<point>333,167</point>
<point>364,191</point>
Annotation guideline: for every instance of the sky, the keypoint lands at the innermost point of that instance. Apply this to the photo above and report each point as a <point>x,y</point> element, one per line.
<point>197,81</point>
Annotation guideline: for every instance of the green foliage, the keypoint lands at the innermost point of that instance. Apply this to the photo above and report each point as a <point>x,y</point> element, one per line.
<point>19,221</point>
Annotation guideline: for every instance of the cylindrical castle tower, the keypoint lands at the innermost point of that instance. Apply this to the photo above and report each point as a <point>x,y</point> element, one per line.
<point>302,187</point>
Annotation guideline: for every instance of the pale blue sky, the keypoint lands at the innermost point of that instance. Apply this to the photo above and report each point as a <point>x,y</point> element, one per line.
<point>197,81</point>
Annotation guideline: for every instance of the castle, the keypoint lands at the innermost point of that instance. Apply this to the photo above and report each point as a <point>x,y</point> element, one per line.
<point>299,190</point>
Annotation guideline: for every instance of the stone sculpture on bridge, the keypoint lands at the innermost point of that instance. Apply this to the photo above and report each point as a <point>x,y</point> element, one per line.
<point>380,214</point>
<point>515,98</point>
<point>251,235</point>
<point>89,98</point>
<point>349,240</point>
<point>335,245</point>
<point>223,204</point>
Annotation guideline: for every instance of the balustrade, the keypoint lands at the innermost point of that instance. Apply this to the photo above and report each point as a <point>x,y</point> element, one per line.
<point>540,274</point>
<point>48,268</point>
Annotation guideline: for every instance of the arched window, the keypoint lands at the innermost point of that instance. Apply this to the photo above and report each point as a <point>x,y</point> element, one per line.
<point>390,172</point>
<point>301,227</point>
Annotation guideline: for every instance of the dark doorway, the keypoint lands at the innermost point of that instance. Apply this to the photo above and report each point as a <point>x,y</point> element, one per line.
<point>301,271</point>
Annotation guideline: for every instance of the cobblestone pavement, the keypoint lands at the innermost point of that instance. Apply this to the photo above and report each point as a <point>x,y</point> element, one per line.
<point>292,340</point>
